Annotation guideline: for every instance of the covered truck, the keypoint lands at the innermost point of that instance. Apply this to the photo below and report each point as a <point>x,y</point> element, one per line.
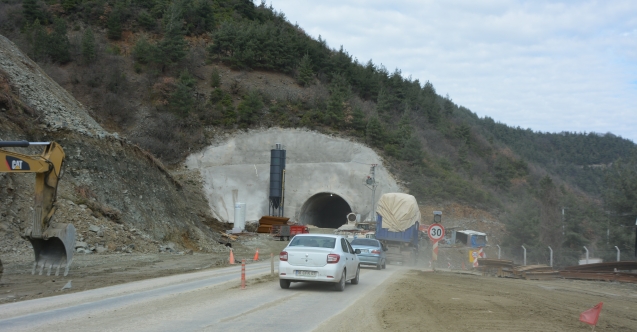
<point>397,222</point>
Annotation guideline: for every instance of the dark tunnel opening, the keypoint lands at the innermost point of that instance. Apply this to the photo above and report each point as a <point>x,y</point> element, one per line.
<point>325,210</point>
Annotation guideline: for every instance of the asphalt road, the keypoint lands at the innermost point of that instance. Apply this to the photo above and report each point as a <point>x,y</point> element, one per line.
<point>210,300</point>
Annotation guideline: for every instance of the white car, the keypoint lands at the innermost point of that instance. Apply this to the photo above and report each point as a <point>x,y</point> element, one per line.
<point>318,258</point>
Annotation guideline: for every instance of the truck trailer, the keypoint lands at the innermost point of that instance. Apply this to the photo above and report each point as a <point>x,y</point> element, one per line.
<point>397,227</point>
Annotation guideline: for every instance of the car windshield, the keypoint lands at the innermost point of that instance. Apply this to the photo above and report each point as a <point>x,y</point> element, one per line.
<point>313,241</point>
<point>365,242</point>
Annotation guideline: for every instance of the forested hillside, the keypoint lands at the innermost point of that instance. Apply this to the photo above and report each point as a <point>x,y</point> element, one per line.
<point>156,71</point>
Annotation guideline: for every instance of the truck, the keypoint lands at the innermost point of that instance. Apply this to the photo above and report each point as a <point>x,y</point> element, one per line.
<point>287,231</point>
<point>397,227</point>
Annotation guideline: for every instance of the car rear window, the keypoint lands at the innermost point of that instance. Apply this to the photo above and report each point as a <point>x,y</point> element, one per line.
<point>313,241</point>
<point>365,242</point>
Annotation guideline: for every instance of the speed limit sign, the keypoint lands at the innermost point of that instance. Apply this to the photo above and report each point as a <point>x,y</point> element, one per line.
<point>436,232</point>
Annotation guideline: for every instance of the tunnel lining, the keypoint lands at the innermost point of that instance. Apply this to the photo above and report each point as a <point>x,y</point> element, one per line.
<point>325,210</point>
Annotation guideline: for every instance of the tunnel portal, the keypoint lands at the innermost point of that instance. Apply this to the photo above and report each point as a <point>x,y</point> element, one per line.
<point>325,210</point>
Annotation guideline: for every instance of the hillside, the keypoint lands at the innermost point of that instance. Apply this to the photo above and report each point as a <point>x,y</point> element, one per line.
<point>100,168</point>
<point>172,76</point>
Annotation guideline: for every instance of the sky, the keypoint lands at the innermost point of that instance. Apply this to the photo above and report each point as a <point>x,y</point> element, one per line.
<point>545,65</point>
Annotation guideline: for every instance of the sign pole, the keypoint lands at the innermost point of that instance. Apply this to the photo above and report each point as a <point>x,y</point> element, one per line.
<point>434,256</point>
<point>436,233</point>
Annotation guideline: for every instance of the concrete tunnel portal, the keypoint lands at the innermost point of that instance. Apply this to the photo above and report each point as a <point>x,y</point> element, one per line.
<point>325,210</point>
<point>236,169</point>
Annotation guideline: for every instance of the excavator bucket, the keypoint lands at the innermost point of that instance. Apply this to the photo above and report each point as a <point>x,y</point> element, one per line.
<point>55,249</point>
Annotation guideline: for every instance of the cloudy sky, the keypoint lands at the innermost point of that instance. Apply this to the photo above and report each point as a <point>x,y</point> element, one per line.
<point>545,65</point>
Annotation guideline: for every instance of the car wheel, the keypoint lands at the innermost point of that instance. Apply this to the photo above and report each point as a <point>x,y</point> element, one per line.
<point>355,280</point>
<point>285,284</point>
<point>341,284</point>
<point>384,264</point>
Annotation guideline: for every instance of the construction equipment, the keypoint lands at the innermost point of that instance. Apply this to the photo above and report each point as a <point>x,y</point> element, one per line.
<point>53,243</point>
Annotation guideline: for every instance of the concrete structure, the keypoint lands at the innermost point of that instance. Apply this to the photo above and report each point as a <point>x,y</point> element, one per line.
<point>324,178</point>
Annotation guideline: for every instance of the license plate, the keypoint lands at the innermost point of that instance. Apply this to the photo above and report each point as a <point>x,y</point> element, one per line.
<point>364,251</point>
<point>306,273</point>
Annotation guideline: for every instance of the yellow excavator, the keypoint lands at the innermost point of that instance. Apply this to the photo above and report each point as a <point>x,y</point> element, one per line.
<point>53,243</point>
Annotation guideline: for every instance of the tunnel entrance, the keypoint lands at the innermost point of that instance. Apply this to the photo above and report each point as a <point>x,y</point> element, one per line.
<point>325,210</point>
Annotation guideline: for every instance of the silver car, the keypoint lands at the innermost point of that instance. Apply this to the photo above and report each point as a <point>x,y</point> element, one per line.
<point>372,252</point>
<point>319,258</point>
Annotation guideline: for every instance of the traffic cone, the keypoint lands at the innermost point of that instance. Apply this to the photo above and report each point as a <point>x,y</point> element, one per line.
<point>231,259</point>
<point>256,255</point>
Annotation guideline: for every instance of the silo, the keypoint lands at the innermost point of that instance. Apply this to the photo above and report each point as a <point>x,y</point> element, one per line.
<point>277,178</point>
<point>239,218</point>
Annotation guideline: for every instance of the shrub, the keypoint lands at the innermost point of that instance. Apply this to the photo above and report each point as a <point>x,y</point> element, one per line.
<point>215,78</point>
<point>249,108</point>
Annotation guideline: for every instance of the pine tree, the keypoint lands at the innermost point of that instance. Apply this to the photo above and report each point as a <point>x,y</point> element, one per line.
<point>88,46</point>
<point>405,129</point>
<point>58,43</point>
<point>144,52</point>
<point>39,41</point>
<point>181,101</point>
<point>30,11</point>
<point>114,25</point>
<point>358,120</point>
<point>146,20</point>
<point>215,78</point>
<point>383,104</point>
<point>412,151</point>
<point>68,4</point>
<point>375,132</point>
<point>305,73</point>
<point>249,108</point>
<point>173,46</point>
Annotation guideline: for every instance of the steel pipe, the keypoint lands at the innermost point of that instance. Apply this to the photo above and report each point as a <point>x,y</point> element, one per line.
<point>551,256</point>
<point>617,253</point>
<point>586,254</point>
<point>499,250</point>
<point>524,255</point>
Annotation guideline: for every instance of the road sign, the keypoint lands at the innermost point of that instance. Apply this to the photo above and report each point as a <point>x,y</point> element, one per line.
<point>436,232</point>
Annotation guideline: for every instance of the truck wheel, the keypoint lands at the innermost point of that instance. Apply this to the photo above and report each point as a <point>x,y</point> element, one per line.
<point>285,284</point>
<point>341,284</point>
<point>355,280</point>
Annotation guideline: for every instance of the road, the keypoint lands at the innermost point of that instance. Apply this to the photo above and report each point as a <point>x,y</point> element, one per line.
<point>210,300</point>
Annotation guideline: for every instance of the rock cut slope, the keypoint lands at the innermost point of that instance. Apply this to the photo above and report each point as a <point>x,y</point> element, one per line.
<point>120,188</point>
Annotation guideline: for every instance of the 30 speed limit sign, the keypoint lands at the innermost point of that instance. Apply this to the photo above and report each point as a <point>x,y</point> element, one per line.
<point>436,232</point>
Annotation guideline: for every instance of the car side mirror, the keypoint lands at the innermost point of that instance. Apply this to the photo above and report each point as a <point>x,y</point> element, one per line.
<point>357,251</point>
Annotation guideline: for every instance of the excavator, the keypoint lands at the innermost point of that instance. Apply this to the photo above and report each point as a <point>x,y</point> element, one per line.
<point>53,243</point>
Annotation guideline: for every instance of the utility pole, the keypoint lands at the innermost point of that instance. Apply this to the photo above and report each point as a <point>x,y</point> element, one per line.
<point>371,183</point>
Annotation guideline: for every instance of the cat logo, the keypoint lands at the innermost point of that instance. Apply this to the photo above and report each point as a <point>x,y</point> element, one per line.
<point>16,164</point>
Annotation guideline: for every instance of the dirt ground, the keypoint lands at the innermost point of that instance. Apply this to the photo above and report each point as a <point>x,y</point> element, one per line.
<point>90,271</point>
<point>446,301</point>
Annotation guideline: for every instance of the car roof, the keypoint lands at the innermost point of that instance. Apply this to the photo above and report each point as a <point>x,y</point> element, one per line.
<point>321,235</point>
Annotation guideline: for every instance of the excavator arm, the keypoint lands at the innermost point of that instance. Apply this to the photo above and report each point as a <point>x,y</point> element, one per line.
<point>53,243</point>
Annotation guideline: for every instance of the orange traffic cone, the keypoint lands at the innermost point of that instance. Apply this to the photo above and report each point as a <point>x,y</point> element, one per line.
<point>256,255</point>
<point>231,259</point>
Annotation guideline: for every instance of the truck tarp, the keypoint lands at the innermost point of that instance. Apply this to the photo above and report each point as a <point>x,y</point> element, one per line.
<point>399,211</point>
